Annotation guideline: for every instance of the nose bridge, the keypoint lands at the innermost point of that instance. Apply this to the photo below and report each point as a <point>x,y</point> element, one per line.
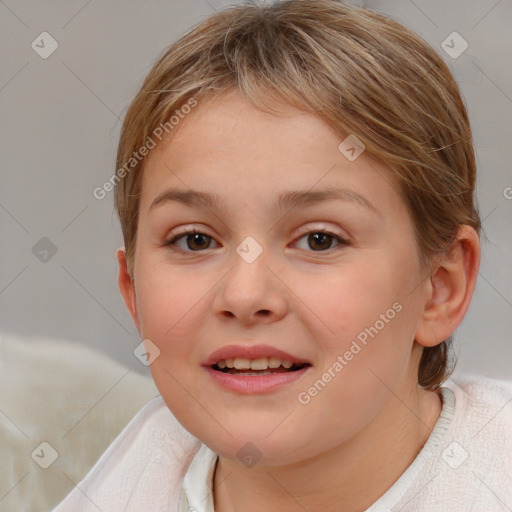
<point>249,264</point>
<point>249,250</point>
<point>250,286</point>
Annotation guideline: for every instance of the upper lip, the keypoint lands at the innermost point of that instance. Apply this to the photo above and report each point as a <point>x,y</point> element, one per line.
<point>251,352</point>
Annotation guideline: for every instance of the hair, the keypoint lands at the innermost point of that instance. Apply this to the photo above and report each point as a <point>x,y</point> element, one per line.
<point>363,73</point>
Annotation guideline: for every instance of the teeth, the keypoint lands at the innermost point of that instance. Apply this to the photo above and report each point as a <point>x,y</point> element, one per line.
<point>263,363</point>
<point>242,364</point>
<point>250,374</point>
<point>259,364</point>
<point>274,362</point>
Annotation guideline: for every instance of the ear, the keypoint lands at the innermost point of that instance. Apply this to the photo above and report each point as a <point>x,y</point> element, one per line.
<point>450,289</point>
<point>127,287</point>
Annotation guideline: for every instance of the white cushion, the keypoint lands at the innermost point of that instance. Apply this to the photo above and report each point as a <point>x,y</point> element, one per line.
<point>67,395</point>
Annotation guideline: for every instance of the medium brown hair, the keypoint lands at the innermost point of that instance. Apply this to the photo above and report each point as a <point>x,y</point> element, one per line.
<point>363,73</point>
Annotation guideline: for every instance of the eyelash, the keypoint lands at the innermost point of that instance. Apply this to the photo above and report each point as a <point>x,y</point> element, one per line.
<point>171,242</point>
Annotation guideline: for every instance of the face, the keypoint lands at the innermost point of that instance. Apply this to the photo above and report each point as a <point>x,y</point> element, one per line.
<point>333,282</point>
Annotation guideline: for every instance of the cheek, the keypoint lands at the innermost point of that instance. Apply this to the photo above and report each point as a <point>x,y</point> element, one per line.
<point>365,342</point>
<point>346,303</point>
<point>172,307</point>
<point>171,303</point>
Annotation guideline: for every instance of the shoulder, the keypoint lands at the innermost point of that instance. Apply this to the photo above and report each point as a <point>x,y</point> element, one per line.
<point>470,466</point>
<point>474,461</point>
<point>483,413</point>
<point>478,396</point>
<point>481,385</point>
<point>144,464</point>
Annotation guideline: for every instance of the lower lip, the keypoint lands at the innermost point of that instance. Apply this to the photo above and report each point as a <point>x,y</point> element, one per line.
<point>248,385</point>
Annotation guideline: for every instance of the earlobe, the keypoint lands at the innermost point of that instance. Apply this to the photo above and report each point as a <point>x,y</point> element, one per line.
<point>126,286</point>
<point>450,289</point>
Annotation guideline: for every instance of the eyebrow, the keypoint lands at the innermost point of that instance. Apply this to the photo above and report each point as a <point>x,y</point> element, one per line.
<point>286,201</point>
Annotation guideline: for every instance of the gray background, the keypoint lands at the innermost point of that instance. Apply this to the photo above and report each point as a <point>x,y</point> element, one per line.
<point>60,123</point>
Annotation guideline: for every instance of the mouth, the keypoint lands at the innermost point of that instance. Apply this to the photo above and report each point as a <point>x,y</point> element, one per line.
<point>256,376</point>
<point>246,369</point>
<point>254,367</point>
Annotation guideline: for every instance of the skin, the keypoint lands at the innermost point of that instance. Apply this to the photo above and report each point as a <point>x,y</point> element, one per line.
<point>351,442</point>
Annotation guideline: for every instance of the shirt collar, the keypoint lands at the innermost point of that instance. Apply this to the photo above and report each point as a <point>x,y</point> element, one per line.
<point>198,482</point>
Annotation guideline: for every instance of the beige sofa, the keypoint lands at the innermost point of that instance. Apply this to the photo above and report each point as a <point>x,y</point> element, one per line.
<point>61,405</point>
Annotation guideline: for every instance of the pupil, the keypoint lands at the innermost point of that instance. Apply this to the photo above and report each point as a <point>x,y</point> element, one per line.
<point>195,237</point>
<point>315,237</point>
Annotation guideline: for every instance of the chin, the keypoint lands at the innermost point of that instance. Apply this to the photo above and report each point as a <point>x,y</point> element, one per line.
<point>257,449</point>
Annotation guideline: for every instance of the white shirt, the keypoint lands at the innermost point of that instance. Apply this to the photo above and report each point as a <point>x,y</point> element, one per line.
<point>465,465</point>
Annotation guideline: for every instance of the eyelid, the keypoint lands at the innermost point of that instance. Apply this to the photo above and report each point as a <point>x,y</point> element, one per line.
<point>187,230</point>
<point>308,228</point>
<point>304,230</point>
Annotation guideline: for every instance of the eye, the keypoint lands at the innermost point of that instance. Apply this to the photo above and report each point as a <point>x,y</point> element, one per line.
<point>195,241</point>
<point>322,240</point>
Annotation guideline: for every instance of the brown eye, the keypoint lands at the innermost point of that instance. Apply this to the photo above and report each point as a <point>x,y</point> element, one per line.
<point>198,241</point>
<point>321,241</point>
<point>194,241</point>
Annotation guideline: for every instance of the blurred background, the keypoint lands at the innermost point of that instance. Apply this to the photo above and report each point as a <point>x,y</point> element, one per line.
<point>62,102</point>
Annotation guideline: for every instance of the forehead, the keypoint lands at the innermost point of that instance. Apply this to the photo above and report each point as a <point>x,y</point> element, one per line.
<point>230,123</point>
<point>226,146</point>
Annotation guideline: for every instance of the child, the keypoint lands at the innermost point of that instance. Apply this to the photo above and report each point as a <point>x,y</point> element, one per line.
<point>297,374</point>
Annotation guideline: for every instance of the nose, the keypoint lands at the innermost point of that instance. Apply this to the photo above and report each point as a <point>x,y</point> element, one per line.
<point>251,291</point>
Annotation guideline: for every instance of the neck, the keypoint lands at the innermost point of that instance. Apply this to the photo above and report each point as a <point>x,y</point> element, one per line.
<point>350,477</point>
